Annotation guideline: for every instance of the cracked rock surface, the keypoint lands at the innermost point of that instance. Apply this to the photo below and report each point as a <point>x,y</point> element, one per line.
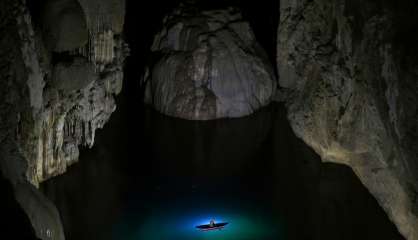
<point>349,75</point>
<point>208,65</point>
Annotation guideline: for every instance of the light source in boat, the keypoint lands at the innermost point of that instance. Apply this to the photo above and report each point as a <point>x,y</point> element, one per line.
<point>212,226</point>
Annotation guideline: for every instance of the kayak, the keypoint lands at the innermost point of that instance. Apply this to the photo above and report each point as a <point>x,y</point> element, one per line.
<point>209,227</point>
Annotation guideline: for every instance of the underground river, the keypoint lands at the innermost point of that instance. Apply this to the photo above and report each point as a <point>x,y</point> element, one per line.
<point>161,177</point>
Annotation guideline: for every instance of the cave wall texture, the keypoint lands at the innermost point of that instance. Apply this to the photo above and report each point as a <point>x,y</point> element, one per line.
<point>209,65</point>
<point>61,66</point>
<point>348,72</point>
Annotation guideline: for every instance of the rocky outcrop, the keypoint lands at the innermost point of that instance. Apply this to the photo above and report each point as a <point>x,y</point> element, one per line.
<point>58,82</point>
<point>60,92</point>
<point>41,211</point>
<point>209,65</point>
<point>348,71</point>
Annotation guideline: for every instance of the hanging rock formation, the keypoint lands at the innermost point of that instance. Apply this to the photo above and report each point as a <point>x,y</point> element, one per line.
<point>209,66</point>
<point>70,85</point>
<point>59,76</point>
<point>349,75</point>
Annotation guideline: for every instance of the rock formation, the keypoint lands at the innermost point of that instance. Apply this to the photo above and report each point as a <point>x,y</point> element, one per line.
<point>349,75</point>
<point>208,66</point>
<point>60,69</point>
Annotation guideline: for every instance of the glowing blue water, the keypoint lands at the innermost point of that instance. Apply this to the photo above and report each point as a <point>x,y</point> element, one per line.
<point>178,220</point>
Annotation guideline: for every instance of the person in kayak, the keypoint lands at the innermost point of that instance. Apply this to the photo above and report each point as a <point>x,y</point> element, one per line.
<point>212,226</point>
<point>212,223</point>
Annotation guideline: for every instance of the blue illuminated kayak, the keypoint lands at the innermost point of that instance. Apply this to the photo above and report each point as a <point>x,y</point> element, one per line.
<point>212,226</point>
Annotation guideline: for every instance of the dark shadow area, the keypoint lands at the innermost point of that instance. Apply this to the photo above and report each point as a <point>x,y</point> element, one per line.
<point>15,223</point>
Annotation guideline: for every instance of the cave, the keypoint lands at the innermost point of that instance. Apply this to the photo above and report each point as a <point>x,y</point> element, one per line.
<point>143,120</point>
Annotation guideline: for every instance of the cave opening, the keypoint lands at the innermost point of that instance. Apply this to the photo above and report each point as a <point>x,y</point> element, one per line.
<point>150,176</point>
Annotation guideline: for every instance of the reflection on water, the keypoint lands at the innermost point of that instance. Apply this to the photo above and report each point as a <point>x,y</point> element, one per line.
<point>178,218</point>
<point>161,179</point>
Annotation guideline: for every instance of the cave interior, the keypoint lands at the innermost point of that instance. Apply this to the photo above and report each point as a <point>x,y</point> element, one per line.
<point>152,176</point>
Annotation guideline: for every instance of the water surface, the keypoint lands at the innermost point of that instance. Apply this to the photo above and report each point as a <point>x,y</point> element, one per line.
<point>157,177</point>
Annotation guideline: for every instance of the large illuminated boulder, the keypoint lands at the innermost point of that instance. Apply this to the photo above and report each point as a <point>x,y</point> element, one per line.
<point>209,65</point>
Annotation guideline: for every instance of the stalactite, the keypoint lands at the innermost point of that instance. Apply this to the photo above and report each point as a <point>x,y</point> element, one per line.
<point>62,128</point>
